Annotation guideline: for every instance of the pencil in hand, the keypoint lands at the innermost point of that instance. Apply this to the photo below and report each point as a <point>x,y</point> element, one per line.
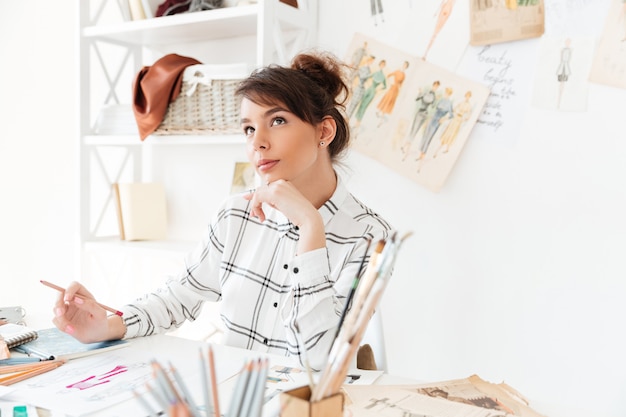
<point>61,289</point>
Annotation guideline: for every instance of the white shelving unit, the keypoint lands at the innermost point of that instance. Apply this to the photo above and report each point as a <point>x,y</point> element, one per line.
<point>196,170</point>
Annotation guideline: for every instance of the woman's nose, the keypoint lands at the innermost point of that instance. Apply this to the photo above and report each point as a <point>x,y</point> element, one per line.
<point>260,139</point>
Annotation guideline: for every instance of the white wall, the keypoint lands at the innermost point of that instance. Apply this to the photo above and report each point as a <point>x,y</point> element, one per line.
<point>515,271</point>
<point>38,121</point>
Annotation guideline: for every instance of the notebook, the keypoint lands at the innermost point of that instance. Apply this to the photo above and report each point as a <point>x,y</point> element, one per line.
<point>52,343</point>
<point>16,334</point>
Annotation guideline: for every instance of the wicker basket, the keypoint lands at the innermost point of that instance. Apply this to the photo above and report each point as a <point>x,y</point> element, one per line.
<point>206,103</point>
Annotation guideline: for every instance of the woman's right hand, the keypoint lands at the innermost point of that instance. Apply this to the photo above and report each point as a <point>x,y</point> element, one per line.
<point>77,313</point>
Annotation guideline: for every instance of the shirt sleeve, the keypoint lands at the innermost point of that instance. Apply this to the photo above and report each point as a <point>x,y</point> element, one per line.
<point>181,298</point>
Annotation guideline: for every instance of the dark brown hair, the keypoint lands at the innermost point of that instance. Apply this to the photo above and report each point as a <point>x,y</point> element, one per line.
<point>312,88</point>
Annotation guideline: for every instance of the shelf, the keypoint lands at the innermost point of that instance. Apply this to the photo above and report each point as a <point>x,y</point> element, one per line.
<point>133,140</point>
<point>227,22</point>
<point>181,28</point>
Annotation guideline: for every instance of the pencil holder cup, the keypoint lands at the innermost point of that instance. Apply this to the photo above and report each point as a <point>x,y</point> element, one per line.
<point>296,403</point>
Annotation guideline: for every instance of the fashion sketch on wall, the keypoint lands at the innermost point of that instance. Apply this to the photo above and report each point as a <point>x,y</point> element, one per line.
<point>436,30</point>
<point>495,21</point>
<point>609,64</point>
<point>562,73</point>
<point>408,114</point>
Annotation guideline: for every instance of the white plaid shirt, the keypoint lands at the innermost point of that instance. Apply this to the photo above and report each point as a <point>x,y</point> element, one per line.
<point>264,287</point>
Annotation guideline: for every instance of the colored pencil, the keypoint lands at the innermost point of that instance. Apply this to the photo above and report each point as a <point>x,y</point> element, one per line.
<point>216,400</point>
<point>186,395</point>
<point>21,376</point>
<point>206,393</point>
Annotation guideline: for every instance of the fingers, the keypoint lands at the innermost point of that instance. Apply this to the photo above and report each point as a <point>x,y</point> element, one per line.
<point>76,312</point>
<point>257,197</point>
<point>76,288</point>
<point>69,295</point>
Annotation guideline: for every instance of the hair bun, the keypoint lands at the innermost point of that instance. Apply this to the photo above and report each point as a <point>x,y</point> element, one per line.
<point>326,70</point>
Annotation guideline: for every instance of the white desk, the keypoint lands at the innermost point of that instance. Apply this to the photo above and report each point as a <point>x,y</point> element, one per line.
<point>184,354</point>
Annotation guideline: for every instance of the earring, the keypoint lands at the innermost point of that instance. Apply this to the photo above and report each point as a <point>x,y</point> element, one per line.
<point>322,144</point>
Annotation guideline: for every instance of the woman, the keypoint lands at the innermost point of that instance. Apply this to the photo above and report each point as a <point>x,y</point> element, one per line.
<point>279,258</point>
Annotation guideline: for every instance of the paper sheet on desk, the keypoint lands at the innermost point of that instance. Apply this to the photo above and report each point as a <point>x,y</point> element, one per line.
<point>466,397</point>
<point>393,401</point>
<point>90,384</point>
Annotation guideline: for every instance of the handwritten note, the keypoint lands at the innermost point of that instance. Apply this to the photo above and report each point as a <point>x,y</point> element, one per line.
<point>507,69</point>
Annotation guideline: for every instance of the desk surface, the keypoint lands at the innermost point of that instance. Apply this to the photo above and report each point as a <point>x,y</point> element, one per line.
<point>184,355</point>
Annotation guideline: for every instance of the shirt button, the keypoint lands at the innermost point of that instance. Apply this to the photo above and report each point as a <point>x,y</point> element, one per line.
<point>285,266</point>
<point>265,341</point>
<point>297,228</point>
<point>275,304</point>
<point>296,270</point>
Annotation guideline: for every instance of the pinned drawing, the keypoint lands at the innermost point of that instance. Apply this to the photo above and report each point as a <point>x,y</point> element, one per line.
<point>388,101</point>
<point>609,64</point>
<point>504,21</point>
<point>417,124</point>
<point>437,31</point>
<point>445,9</point>
<point>376,7</point>
<point>562,73</point>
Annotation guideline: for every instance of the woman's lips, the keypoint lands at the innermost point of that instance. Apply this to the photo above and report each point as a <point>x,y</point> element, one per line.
<point>266,164</point>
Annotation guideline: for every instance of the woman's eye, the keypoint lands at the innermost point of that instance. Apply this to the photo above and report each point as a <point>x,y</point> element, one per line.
<point>248,130</point>
<point>278,121</point>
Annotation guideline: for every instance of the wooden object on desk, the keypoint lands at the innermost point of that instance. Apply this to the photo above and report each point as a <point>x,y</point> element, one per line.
<point>296,403</point>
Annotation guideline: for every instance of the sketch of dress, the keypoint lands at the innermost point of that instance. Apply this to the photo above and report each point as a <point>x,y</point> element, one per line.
<point>357,58</point>
<point>363,75</point>
<point>388,101</point>
<point>424,103</point>
<point>445,9</point>
<point>442,109</point>
<point>462,112</point>
<point>563,71</point>
<point>378,79</point>
<point>480,5</point>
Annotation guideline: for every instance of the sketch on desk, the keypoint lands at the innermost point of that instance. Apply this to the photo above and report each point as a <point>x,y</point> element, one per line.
<point>464,397</point>
<point>88,385</point>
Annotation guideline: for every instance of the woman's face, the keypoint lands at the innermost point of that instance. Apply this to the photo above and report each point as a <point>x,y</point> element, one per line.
<point>279,144</point>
